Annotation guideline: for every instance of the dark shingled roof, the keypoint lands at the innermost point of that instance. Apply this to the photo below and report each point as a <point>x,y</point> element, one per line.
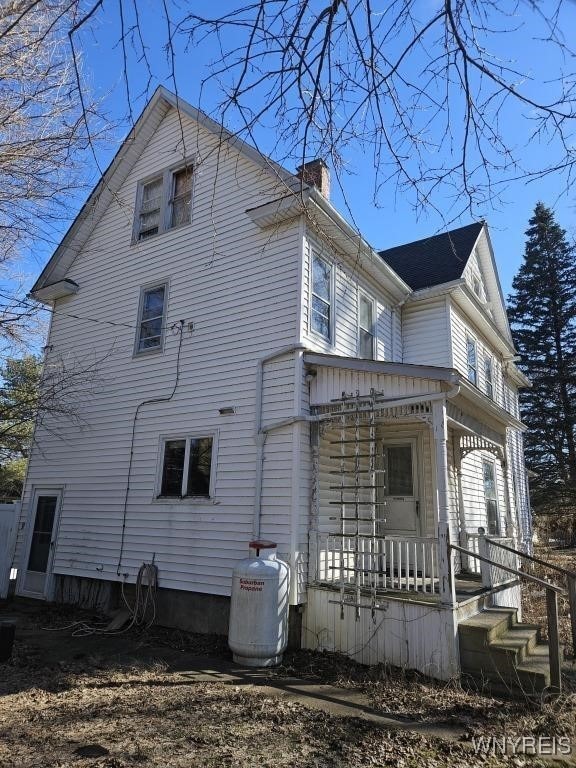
<point>433,260</point>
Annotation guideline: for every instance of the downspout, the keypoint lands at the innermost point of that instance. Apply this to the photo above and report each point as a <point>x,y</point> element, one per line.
<point>260,434</point>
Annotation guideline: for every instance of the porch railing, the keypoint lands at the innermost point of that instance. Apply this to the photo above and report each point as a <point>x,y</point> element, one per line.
<point>406,564</point>
<point>552,592</point>
<point>499,550</point>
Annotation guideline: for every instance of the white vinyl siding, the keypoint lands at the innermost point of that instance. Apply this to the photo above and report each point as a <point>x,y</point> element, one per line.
<point>348,283</point>
<point>426,333</point>
<point>237,288</point>
<point>460,331</point>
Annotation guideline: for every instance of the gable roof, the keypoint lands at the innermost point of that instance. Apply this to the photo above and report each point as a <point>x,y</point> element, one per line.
<point>113,177</point>
<point>434,260</point>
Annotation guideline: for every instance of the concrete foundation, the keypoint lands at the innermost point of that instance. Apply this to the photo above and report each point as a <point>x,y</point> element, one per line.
<point>190,611</point>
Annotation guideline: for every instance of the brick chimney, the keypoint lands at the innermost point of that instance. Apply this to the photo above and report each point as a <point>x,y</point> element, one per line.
<point>317,174</point>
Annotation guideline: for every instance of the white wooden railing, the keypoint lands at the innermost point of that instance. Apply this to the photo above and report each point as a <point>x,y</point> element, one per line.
<point>407,564</point>
<point>481,544</point>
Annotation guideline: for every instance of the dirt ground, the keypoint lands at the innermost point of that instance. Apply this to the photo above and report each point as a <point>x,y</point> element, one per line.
<point>124,701</point>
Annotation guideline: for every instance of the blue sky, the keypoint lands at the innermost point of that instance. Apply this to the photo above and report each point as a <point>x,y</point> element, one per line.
<point>395,221</point>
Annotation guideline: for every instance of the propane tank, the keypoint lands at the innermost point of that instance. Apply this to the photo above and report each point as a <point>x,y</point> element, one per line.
<point>258,632</point>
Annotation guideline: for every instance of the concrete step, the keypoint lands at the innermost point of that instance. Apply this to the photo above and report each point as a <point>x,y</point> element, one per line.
<point>496,649</point>
<point>491,623</point>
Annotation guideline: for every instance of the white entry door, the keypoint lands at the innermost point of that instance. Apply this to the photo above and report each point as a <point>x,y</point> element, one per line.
<point>36,578</point>
<point>400,511</point>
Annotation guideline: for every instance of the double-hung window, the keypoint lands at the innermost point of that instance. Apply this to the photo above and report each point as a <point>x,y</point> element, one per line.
<point>163,202</point>
<point>489,377</point>
<point>321,309</point>
<point>365,327</point>
<point>491,498</point>
<point>150,209</point>
<point>186,467</point>
<point>150,333</point>
<point>472,360</point>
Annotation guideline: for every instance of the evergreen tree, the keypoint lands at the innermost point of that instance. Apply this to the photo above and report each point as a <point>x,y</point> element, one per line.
<point>542,311</point>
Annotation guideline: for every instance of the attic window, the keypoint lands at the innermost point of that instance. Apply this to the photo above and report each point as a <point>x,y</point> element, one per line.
<point>150,209</point>
<point>163,202</point>
<point>476,287</point>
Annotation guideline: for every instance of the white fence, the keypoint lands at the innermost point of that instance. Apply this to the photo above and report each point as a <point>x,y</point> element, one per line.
<point>9,515</point>
<point>408,564</point>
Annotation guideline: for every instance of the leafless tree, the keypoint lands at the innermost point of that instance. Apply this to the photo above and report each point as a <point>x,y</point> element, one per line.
<point>47,122</point>
<point>426,89</point>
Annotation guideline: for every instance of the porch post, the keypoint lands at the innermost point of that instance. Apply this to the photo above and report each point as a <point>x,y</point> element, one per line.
<point>511,529</point>
<point>457,452</point>
<point>445,570</point>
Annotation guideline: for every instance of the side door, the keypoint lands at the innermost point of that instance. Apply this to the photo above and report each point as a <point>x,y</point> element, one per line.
<point>35,577</point>
<point>400,493</point>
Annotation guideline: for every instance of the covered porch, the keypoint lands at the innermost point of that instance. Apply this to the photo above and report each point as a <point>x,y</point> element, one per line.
<point>405,461</point>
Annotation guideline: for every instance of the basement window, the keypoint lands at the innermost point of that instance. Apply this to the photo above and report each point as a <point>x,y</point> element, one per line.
<point>186,468</point>
<point>163,202</point>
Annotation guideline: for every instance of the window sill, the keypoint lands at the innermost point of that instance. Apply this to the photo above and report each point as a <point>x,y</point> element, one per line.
<point>194,501</point>
<point>147,352</point>
<point>138,241</point>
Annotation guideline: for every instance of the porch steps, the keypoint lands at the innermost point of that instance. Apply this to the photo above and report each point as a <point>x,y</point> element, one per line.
<point>498,651</point>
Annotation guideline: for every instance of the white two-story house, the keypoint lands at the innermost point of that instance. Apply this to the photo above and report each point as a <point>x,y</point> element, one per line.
<point>263,372</point>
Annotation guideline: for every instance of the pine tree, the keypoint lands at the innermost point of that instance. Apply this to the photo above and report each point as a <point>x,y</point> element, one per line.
<point>542,310</point>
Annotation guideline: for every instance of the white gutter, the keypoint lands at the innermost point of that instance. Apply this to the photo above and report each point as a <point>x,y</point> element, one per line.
<point>260,434</point>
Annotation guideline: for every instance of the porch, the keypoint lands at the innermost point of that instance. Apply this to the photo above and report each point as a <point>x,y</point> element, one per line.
<point>403,467</point>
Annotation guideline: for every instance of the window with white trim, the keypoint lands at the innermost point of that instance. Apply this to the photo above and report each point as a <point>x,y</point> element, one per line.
<point>472,360</point>
<point>163,202</point>
<point>366,336</point>
<point>491,498</point>
<point>186,467</point>
<point>321,305</point>
<point>489,377</point>
<point>150,333</point>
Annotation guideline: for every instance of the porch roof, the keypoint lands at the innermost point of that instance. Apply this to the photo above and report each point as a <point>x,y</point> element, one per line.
<point>421,383</point>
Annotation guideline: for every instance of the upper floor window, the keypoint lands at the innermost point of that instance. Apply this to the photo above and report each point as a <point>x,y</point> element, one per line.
<point>489,377</point>
<point>150,333</point>
<point>186,467</point>
<point>163,203</point>
<point>365,327</point>
<point>321,307</point>
<point>472,360</point>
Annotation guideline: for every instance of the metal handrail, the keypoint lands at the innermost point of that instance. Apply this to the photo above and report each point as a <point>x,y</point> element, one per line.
<point>558,568</point>
<point>570,579</point>
<point>552,592</point>
<point>522,574</point>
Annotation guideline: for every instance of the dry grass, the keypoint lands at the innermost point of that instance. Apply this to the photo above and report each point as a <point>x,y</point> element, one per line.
<point>534,598</point>
<point>147,716</point>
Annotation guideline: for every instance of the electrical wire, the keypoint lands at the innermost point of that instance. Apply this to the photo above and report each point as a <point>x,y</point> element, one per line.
<point>140,405</point>
<point>28,304</point>
<point>144,600</point>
